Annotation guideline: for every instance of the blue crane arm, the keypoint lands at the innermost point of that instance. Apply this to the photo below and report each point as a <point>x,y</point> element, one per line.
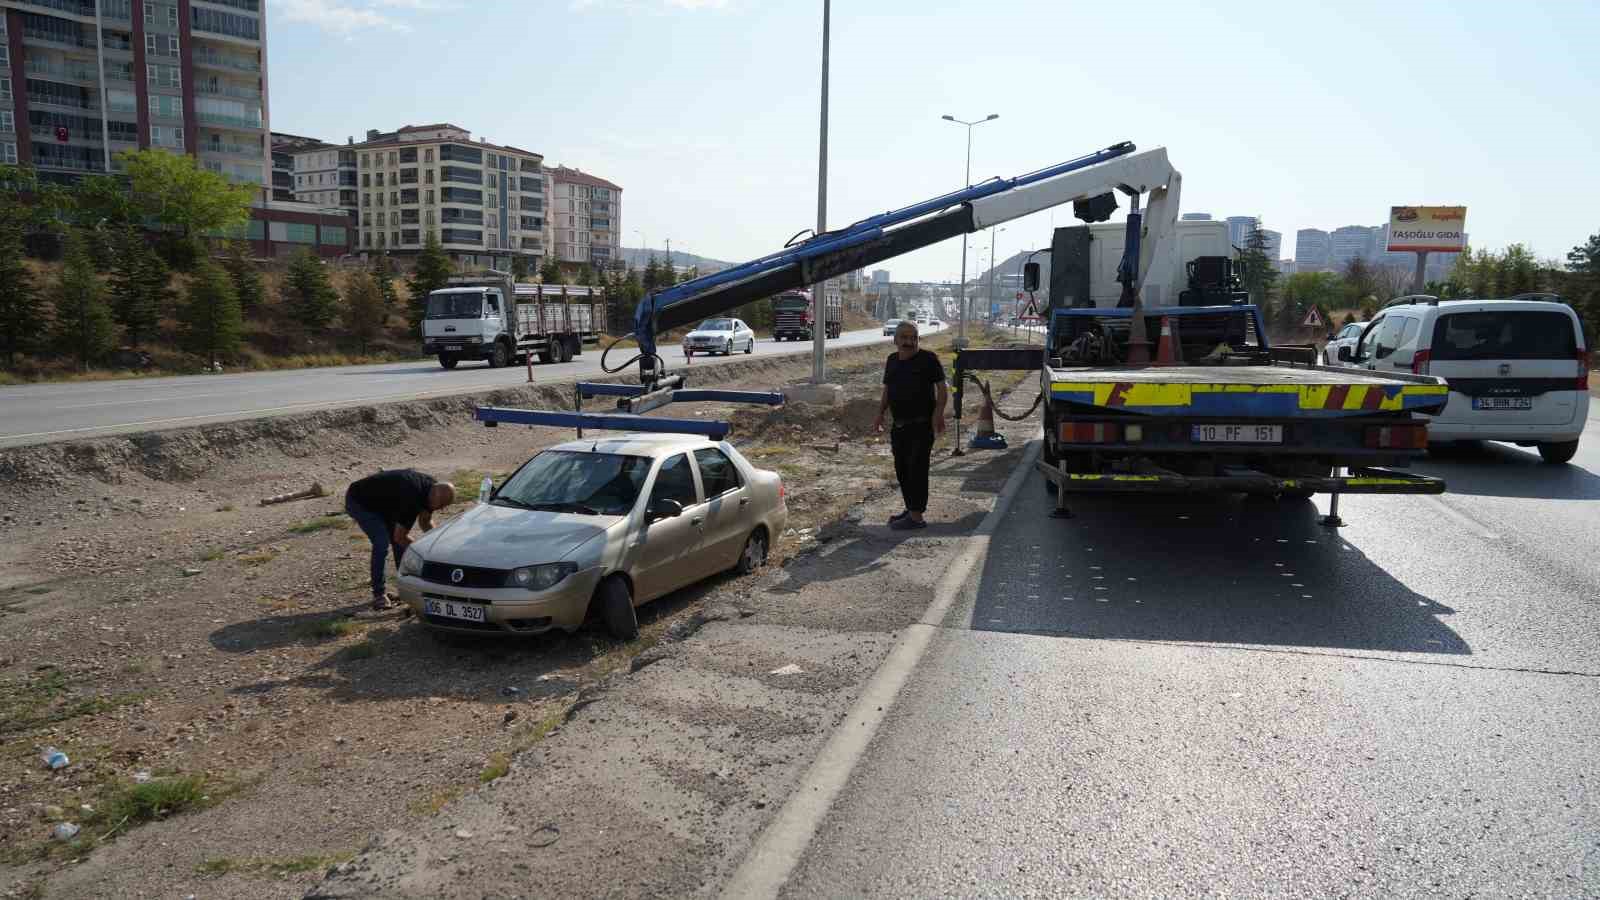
<point>833,253</point>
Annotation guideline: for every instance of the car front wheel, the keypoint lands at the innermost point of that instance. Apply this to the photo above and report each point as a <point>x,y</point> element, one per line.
<point>755,552</point>
<point>1559,452</point>
<point>750,347</point>
<point>616,609</point>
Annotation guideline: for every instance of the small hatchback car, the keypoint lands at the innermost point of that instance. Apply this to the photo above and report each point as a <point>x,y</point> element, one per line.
<point>602,525</point>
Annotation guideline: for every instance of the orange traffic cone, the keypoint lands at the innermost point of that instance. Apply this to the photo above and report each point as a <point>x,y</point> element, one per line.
<point>1169,352</point>
<point>984,436</point>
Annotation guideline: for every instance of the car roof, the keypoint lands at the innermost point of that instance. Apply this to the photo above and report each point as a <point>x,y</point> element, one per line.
<point>637,444</point>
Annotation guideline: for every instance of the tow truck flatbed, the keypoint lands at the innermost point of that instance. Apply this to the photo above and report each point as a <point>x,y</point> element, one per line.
<point>1276,389</point>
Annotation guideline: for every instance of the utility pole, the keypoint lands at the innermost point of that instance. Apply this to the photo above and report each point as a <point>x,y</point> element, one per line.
<point>819,292</point>
<point>994,263</point>
<point>961,334</point>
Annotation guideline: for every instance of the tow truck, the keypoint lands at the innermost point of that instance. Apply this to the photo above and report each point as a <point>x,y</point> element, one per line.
<point>1242,416</point>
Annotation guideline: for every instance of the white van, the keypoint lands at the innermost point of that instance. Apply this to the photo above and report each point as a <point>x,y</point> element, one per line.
<point>1518,368</point>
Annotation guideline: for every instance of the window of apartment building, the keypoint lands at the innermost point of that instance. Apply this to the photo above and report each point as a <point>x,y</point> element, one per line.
<point>157,15</point>
<point>380,198</point>
<point>494,180</point>
<point>122,101</point>
<point>8,123</point>
<point>394,198</point>
<point>247,27</point>
<point>366,199</point>
<point>427,177</point>
<point>494,241</point>
<point>366,160</point>
<point>427,154</point>
<point>408,154</point>
<point>427,196</point>
<point>367,238</point>
<point>394,218</point>
<point>408,176</point>
<point>409,236</point>
<point>161,45</point>
<point>381,241</point>
<point>167,136</point>
<point>163,76</point>
<point>366,179</point>
<point>126,132</point>
<point>428,217</point>
<point>460,153</point>
<point>394,158</point>
<point>492,221</point>
<point>461,175</point>
<point>409,217</point>
<point>166,107</point>
<point>533,204</point>
<point>409,195</point>
<point>494,200</point>
<point>366,219</point>
<point>394,238</point>
<point>380,179</point>
<point>5,89</point>
<point>8,153</point>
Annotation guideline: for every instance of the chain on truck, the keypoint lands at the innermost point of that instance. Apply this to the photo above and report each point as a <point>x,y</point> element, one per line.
<point>1156,374</point>
<point>491,317</point>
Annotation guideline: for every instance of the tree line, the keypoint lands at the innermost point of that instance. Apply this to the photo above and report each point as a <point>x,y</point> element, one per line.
<point>1360,287</point>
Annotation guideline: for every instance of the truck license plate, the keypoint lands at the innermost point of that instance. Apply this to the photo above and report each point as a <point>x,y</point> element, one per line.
<point>1502,403</point>
<point>1236,434</point>
<point>452,609</point>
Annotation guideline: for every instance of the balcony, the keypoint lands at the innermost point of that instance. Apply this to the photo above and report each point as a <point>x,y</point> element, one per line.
<point>246,5</point>
<point>219,89</point>
<point>56,39</point>
<point>245,150</point>
<point>227,121</point>
<point>67,162</point>
<point>73,7</point>
<point>53,69</point>
<point>212,59</point>
<point>75,135</point>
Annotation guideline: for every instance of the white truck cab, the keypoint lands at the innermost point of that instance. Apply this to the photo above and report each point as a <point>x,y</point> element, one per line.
<point>467,323</point>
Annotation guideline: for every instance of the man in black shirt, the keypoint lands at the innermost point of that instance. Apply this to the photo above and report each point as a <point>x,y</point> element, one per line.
<point>386,505</point>
<point>914,391</point>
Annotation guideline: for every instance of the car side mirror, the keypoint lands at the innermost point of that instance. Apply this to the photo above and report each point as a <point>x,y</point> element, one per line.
<point>1345,355</point>
<point>665,509</point>
<point>1030,277</point>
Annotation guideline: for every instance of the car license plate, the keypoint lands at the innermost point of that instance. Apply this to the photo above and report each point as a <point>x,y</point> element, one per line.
<point>1236,434</point>
<point>1502,403</point>
<point>452,346</point>
<point>453,609</point>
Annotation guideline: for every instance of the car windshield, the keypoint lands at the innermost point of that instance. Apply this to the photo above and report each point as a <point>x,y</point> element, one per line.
<point>791,301</point>
<point>716,325</point>
<point>1504,334</point>
<point>604,484</point>
<point>467,305</point>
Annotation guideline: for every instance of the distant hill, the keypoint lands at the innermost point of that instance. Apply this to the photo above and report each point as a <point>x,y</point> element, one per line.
<point>638,257</point>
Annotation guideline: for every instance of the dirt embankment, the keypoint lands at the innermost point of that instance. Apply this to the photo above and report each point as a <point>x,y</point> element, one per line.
<point>158,622</point>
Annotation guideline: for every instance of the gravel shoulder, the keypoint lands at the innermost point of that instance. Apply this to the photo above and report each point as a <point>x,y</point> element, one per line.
<point>156,620</point>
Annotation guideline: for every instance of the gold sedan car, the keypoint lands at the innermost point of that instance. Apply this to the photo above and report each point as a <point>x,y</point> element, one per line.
<point>599,525</point>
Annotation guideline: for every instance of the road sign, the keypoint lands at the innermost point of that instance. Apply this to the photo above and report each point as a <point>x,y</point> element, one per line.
<point>1313,319</point>
<point>1031,311</point>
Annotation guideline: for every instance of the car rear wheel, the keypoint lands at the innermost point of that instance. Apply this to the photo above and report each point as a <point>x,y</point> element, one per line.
<point>755,552</point>
<point>616,609</point>
<point>1559,452</point>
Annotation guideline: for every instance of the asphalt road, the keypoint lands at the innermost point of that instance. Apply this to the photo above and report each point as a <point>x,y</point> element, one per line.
<point>33,414</point>
<point>1219,697</point>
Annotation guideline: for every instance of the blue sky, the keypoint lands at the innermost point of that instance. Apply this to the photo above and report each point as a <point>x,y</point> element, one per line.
<point>705,111</point>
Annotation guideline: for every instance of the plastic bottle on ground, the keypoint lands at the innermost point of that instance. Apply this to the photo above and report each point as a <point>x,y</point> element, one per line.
<point>485,488</point>
<point>53,758</point>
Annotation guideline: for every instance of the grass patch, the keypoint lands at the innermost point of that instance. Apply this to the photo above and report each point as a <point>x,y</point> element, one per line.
<point>227,507</point>
<point>770,450</point>
<point>45,700</point>
<point>125,804</point>
<point>498,766</point>
<point>434,801</point>
<point>290,865</point>
<point>364,650</point>
<point>259,558</point>
<point>467,482</point>
<point>213,556</point>
<point>325,629</point>
<point>320,523</point>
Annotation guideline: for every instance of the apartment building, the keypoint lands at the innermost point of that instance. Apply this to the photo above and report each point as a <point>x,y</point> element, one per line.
<point>325,176</point>
<point>284,147</point>
<point>1313,250</point>
<point>484,202</point>
<point>83,80</point>
<point>585,217</point>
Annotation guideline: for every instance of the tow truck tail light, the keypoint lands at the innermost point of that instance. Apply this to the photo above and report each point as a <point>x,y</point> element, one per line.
<point>1419,363</point>
<point>1397,437</point>
<point>1090,433</point>
<point>1583,370</point>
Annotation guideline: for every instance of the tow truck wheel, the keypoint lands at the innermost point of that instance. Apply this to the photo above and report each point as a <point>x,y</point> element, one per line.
<point>448,360</point>
<point>500,357</point>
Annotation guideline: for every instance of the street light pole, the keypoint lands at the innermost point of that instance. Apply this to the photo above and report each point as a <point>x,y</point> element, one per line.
<point>961,334</point>
<point>819,292</point>
<point>994,262</point>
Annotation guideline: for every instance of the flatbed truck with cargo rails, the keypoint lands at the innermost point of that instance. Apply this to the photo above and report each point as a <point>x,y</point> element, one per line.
<point>794,315</point>
<point>493,318</point>
<point>1156,374</point>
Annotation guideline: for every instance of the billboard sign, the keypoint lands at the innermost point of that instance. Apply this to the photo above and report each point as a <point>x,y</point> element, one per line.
<point>1427,229</point>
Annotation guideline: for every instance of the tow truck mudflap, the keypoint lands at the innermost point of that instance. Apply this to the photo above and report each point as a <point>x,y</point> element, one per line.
<point>1359,481</point>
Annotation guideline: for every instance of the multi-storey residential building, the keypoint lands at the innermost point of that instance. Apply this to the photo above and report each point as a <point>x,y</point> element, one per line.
<point>585,217</point>
<point>325,175</point>
<point>484,202</point>
<point>82,80</point>
<point>1313,249</point>
<point>284,147</point>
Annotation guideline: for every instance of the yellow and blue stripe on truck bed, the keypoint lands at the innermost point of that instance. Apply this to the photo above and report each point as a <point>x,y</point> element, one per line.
<point>1253,400</point>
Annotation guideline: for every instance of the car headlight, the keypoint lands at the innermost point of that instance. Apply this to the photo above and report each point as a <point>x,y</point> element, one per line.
<point>411,562</point>
<point>541,578</point>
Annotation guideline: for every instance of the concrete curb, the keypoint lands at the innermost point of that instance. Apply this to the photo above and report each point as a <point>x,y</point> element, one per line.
<point>780,846</point>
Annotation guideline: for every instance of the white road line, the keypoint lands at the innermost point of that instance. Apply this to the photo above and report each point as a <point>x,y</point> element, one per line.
<point>779,847</point>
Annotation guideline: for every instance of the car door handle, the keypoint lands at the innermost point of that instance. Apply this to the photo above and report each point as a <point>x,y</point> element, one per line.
<point>697,520</point>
